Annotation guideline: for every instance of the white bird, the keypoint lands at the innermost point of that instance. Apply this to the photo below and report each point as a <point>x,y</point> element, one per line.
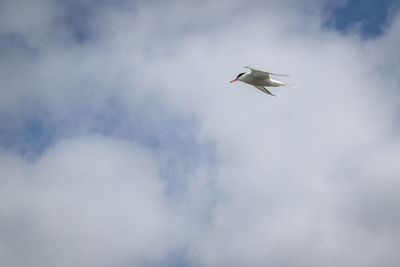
<point>259,79</point>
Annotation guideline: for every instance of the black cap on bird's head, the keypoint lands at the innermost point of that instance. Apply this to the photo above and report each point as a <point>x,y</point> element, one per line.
<point>237,78</point>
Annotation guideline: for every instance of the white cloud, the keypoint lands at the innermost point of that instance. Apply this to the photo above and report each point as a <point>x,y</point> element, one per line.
<point>89,201</point>
<point>308,178</point>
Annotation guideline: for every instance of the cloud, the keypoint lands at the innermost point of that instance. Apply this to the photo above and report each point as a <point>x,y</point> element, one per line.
<point>89,201</point>
<point>123,143</point>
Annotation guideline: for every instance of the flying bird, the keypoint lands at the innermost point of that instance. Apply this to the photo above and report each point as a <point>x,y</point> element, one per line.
<point>259,79</point>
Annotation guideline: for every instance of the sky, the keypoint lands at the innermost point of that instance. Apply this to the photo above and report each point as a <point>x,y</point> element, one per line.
<point>122,142</point>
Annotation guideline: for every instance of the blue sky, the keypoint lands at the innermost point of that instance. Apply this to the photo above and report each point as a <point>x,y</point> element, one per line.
<point>369,16</point>
<point>121,136</point>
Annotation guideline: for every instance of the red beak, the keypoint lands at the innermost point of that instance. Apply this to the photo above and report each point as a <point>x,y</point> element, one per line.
<point>234,80</point>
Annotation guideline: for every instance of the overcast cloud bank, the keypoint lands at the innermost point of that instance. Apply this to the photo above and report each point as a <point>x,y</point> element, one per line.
<point>123,143</point>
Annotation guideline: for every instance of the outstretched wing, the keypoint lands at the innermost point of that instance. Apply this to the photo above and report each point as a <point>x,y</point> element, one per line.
<point>263,74</point>
<point>262,88</point>
<point>258,73</point>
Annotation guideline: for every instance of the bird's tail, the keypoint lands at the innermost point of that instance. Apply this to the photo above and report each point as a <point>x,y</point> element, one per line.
<point>288,85</point>
<point>278,83</point>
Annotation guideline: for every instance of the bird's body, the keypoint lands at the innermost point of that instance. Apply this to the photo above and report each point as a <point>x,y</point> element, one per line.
<point>260,79</point>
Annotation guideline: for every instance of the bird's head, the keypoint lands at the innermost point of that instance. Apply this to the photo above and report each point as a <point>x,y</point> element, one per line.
<point>238,77</point>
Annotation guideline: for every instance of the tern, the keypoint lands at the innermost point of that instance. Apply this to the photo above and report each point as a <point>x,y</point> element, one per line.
<point>259,79</point>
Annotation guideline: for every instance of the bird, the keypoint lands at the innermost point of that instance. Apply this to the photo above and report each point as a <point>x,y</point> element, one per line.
<point>259,79</point>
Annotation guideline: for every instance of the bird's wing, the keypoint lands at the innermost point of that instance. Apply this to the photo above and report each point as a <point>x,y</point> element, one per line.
<point>262,88</point>
<point>262,74</point>
<point>258,73</point>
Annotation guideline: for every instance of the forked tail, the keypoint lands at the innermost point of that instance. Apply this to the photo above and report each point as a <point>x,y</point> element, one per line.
<point>288,85</point>
<point>285,84</point>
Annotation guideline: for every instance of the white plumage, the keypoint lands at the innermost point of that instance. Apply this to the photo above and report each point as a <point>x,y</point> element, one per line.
<point>259,79</point>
